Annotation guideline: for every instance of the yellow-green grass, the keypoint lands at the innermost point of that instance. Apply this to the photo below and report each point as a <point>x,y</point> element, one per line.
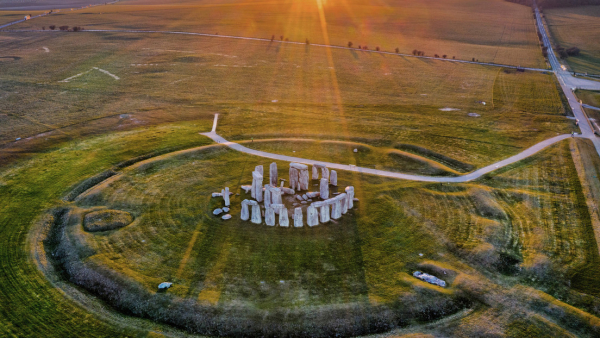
<point>31,307</point>
<point>577,27</point>
<point>31,186</point>
<point>386,100</point>
<point>490,31</point>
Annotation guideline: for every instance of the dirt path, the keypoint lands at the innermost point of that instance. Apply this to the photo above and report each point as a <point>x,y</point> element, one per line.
<point>464,178</point>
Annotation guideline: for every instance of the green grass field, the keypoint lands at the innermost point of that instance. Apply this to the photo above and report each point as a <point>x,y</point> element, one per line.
<point>578,27</point>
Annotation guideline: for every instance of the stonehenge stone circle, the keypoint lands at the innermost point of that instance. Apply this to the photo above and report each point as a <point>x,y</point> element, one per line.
<point>298,218</point>
<point>267,196</point>
<point>315,173</point>
<point>276,196</point>
<point>270,216</point>
<point>312,216</point>
<point>257,186</point>
<point>273,174</point>
<point>324,213</point>
<point>333,178</point>
<point>245,213</point>
<point>324,189</point>
<point>344,198</point>
<point>256,217</point>
<point>293,178</point>
<point>225,193</point>
<point>260,169</point>
<point>350,196</point>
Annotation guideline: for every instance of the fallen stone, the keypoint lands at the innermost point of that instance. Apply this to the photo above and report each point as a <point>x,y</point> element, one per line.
<point>304,197</point>
<point>303,202</point>
<point>246,188</point>
<point>287,191</point>
<point>217,211</point>
<point>217,194</point>
<point>226,217</point>
<point>226,209</point>
<point>313,194</point>
<point>355,150</point>
<point>298,197</point>
<point>429,278</point>
<point>164,285</point>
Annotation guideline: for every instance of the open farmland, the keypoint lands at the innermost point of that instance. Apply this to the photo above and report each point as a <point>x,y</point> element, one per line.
<point>578,27</point>
<point>268,90</point>
<point>489,31</point>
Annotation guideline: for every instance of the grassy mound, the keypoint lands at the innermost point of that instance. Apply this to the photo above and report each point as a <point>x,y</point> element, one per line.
<point>104,220</point>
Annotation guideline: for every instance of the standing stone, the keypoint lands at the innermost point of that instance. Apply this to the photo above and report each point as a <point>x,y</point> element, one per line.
<point>245,214</point>
<point>283,214</point>
<point>267,196</point>
<point>315,172</point>
<point>293,178</point>
<point>336,208</point>
<point>226,196</point>
<point>325,173</point>
<point>270,216</point>
<point>312,216</point>
<point>350,197</point>
<point>298,218</point>
<point>260,169</point>
<point>303,179</point>
<point>324,212</point>
<point>256,213</point>
<point>324,191</point>
<point>276,196</point>
<point>257,186</point>
<point>273,174</point>
<point>344,199</point>
<point>333,178</point>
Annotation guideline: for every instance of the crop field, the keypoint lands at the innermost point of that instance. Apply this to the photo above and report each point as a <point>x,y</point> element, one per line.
<point>11,16</point>
<point>267,91</point>
<point>578,27</point>
<point>464,29</point>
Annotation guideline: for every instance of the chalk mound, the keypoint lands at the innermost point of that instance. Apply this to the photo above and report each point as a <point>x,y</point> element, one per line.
<point>105,220</point>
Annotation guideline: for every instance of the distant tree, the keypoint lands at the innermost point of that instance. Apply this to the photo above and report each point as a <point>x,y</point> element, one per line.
<point>307,42</point>
<point>397,50</point>
<point>281,37</point>
<point>77,29</point>
<point>415,52</point>
<point>444,56</point>
<point>435,55</point>
<point>573,51</point>
<point>562,53</point>
<point>44,28</point>
<point>377,48</point>
<point>349,44</point>
<point>64,28</point>
<point>365,47</point>
<point>473,60</point>
<point>272,37</point>
<point>359,47</point>
<point>287,39</point>
<point>52,27</point>
<point>454,57</point>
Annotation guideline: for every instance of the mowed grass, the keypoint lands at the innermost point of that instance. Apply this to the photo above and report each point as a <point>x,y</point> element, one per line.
<point>265,90</point>
<point>31,307</point>
<point>578,27</point>
<point>489,31</point>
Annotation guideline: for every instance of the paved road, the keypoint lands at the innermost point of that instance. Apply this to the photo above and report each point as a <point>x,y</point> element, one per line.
<point>465,178</point>
<point>567,82</point>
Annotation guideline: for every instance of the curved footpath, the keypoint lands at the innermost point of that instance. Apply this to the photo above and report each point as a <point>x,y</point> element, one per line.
<point>349,167</point>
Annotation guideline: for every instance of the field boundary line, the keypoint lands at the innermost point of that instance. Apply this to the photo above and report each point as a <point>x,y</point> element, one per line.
<point>284,42</point>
